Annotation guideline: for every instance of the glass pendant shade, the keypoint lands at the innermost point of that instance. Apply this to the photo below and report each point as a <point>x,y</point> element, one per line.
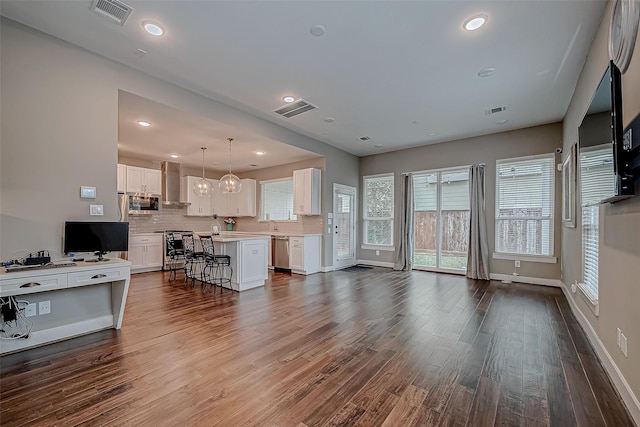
<point>202,187</point>
<point>230,183</point>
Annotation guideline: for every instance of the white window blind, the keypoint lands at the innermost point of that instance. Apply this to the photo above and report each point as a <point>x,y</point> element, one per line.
<point>590,237</point>
<point>277,200</point>
<point>378,210</point>
<point>596,174</point>
<point>525,205</point>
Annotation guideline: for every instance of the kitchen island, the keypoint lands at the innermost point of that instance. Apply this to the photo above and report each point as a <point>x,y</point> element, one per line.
<point>249,257</point>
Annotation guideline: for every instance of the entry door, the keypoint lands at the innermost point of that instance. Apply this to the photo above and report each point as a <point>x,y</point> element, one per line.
<point>343,225</point>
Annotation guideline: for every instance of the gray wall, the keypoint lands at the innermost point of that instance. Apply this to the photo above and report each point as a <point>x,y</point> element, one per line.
<point>59,131</point>
<point>619,250</point>
<point>484,149</point>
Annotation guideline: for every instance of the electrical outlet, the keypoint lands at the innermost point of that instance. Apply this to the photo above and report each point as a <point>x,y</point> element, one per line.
<point>517,263</point>
<point>96,210</point>
<point>377,253</point>
<point>45,307</point>
<point>619,332</point>
<point>623,344</point>
<point>574,286</point>
<point>30,310</point>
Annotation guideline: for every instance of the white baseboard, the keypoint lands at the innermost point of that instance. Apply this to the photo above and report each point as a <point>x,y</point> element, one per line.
<point>525,279</point>
<point>375,263</point>
<point>619,382</point>
<point>58,333</point>
<point>327,269</point>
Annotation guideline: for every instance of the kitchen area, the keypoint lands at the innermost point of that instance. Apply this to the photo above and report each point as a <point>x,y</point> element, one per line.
<point>274,221</point>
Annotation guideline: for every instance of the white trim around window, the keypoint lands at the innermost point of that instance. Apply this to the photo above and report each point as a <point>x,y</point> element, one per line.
<point>388,218</point>
<point>527,258</point>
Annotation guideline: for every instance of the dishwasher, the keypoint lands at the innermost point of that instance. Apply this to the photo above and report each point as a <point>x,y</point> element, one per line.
<point>280,252</point>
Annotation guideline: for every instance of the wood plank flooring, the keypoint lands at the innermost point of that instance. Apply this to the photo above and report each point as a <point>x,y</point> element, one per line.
<point>366,348</point>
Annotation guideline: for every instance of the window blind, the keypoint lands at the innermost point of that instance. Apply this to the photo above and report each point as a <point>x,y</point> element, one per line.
<point>525,205</point>
<point>596,174</point>
<point>590,238</point>
<point>277,200</point>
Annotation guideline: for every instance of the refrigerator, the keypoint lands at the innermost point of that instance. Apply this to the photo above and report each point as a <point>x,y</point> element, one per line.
<point>123,216</point>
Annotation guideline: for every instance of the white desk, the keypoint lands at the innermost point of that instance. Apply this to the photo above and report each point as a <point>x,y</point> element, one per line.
<point>68,284</point>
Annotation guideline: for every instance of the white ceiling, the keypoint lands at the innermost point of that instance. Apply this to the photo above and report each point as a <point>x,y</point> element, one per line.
<point>401,72</point>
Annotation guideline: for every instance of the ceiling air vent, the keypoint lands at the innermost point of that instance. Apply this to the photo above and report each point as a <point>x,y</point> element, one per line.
<point>495,110</point>
<point>364,138</point>
<point>295,108</point>
<point>113,10</point>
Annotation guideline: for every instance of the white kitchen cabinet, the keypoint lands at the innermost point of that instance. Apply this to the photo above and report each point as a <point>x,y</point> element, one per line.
<point>145,251</point>
<point>143,180</point>
<point>199,205</point>
<point>122,179</point>
<point>235,204</point>
<point>304,254</point>
<point>306,191</point>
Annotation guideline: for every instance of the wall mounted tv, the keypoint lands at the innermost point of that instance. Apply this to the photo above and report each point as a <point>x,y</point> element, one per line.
<point>602,157</point>
<point>98,237</point>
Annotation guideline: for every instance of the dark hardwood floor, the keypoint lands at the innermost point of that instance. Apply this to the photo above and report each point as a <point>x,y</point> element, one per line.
<point>367,348</point>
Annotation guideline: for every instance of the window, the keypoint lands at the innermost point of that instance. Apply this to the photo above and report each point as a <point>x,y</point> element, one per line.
<point>524,205</point>
<point>378,210</point>
<point>277,200</point>
<point>590,232</point>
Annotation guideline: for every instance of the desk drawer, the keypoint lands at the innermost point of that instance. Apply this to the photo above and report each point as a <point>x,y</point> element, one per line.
<point>93,277</point>
<point>24,286</point>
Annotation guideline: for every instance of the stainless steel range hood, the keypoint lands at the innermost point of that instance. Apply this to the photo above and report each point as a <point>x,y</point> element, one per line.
<point>171,185</point>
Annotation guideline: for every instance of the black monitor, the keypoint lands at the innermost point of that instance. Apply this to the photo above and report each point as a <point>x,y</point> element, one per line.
<point>98,237</point>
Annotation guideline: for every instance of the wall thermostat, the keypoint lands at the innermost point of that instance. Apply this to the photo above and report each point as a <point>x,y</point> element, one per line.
<point>88,192</point>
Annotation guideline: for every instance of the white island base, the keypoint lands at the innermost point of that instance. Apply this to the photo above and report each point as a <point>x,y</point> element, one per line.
<point>249,258</point>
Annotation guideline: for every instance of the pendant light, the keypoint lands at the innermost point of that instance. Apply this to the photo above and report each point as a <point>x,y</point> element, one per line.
<point>202,187</point>
<point>230,183</point>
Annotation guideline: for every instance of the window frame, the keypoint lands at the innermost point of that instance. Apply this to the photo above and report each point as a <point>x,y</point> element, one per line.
<point>365,219</point>
<point>544,258</point>
<point>261,217</point>
<point>587,289</point>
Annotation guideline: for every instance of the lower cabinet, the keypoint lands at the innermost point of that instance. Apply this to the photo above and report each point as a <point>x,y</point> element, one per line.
<point>145,252</point>
<point>304,254</point>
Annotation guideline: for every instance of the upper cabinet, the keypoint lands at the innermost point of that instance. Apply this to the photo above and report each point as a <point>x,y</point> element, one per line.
<point>199,205</point>
<point>143,180</point>
<point>122,179</point>
<point>306,191</point>
<point>236,204</point>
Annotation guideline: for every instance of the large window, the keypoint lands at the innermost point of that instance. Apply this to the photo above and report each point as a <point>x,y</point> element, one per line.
<point>277,200</point>
<point>378,210</point>
<point>525,205</point>
<point>590,233</point>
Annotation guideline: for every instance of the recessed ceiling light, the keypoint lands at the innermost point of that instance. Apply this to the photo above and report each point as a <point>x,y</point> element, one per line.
<point>216,163</point>
<point>260,153</point>
<point>431,134</point>
<point>174,156</point>
<point>329,120</point>
<point>475,22</point>
<point>288,99</point>
<point>317,30</point>
<point>486,72</point>
<point>153,28</point>
<point>144,124</point>
<point>378,145</point>
<point>501,122</point>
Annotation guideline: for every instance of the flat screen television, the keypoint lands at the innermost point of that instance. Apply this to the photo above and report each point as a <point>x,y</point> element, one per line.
<point>602,156</point>
<point>98,237</point>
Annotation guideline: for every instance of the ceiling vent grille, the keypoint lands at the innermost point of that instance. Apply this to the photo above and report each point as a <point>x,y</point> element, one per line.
<point>364,138</point>
<point>495,110</point>
<point>295,108</point>
<point>113,10</point>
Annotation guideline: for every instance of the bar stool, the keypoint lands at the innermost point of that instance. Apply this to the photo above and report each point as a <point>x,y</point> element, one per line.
<point>193,261</point>
<point>217,269</point>
<point>175,252</point>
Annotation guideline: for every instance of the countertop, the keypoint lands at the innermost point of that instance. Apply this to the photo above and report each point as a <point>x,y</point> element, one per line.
<point>225,237</point>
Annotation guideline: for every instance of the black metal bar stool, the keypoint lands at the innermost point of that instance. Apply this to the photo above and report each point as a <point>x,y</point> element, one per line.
<point>217,269</point>
<point>175,252</point>
<point>193,261</point>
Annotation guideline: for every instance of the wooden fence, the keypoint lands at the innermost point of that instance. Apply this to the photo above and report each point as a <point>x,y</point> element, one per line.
<point>455,231</point>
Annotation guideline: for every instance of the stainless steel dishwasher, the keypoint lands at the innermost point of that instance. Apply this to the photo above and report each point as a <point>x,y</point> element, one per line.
<point>280,252</point>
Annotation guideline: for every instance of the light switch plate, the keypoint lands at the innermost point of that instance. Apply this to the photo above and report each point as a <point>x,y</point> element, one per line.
<point>96,210</point>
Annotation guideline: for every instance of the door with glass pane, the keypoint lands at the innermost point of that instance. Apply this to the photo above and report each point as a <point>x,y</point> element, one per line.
<point>441,220</point>
<point>344,226</point>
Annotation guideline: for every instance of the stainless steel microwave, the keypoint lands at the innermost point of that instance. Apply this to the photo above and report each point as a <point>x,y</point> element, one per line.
<point>139,205</point>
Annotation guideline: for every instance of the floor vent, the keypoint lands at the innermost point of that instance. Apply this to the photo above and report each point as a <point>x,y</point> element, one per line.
<point>495,110</point>
<point>113,10</point>
<point>295,108</point>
